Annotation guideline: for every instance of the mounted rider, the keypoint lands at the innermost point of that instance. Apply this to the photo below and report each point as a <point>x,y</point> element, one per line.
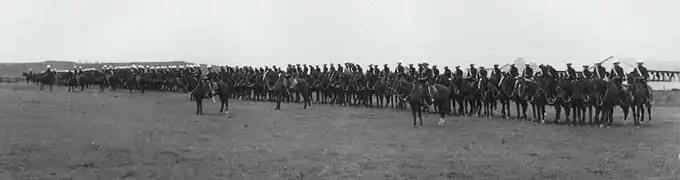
<point>571,72</point>
<point>425,81</point>
<point>496,73</point>
<point>599,72</point>
<point>386,70</point>
<point>617,76</point>
<point>435,71</point>
<point>586,74</point>
<point>482,78</point>
<point>527,74</point>
<point>447,72</point>
<point>514,72</point>
<point>643,76</point>
<point>472,73</point>
<point>552,79</point>
<point>458,73</point>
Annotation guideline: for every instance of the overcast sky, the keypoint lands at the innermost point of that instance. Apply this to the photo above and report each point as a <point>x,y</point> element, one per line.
<point>257,32</point>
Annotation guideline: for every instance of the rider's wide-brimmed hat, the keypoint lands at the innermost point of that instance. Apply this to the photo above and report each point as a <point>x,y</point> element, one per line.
<point>569,64</point>
<point>616,62</point>
<point>640,61</point>
<point>585,65</point>
<point>472,64</point>
<point>48,66</point>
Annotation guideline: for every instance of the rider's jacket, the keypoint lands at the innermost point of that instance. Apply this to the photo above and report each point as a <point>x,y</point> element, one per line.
<point>599,72</point>
<point>386,70</point>
<point>496,73</point>
<point>447,73</point>
<point>482,73</point>
<point>586,74</point>
<point>427,73</point>
<point>551,71</point>
<point>617,71</point>
<point>528,72</point>
<point>472,73</point>
<point>400,69</point>
<point>458,73</point>
<point>571,73</point>
<point>514,72</point>
<point>641,71</point>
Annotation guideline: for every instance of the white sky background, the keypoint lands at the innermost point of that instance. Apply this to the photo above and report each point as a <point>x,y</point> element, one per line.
<point>258,32</point>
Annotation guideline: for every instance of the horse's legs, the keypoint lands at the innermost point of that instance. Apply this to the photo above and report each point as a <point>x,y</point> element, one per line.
<point>558,111</point>
<point>414,113</point>
<point>279,97</point>
<point>420,115</point>
<point>198,104</point>
<point>649,112</point>
<point>525,108</point>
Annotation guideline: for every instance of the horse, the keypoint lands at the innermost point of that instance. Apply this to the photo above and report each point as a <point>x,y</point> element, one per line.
<point>71,81</point>
<point>46,78</point>
<point>640,93</point>
<point>488,98</point>
<point>566,92</point>
<point>301,86</point>
<point>29,77</point>
<point>505,86</point>
<point>84,80</point>
<point>440,96</point>
<point>198,94</point>
<point>413,94</point>
<point>575,95</point>
<point>223,91</point>
<point>278,84</point>
<point>541,97</point>
<point>379,89</point>
<point>524,90</point>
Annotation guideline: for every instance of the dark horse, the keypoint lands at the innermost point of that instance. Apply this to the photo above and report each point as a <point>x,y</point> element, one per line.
<point>641,99</point>
<point>46,78</point>
<point>278,84</point>
<point>505,86</point>
<point>223,91</point>
<point>301,86</point>
<point>198,94</point>
<point>413,94</point>
<point>29,77</point>
<point>441,97</point>
<point>612,96</point>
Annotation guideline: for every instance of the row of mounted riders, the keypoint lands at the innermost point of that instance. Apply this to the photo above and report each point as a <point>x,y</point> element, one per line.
<point>468,97</point>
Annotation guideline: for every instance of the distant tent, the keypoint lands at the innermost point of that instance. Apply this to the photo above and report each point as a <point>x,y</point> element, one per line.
<point>520,64</point>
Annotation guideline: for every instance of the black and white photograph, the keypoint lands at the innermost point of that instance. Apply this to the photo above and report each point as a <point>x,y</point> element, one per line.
<point>339,90</point>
